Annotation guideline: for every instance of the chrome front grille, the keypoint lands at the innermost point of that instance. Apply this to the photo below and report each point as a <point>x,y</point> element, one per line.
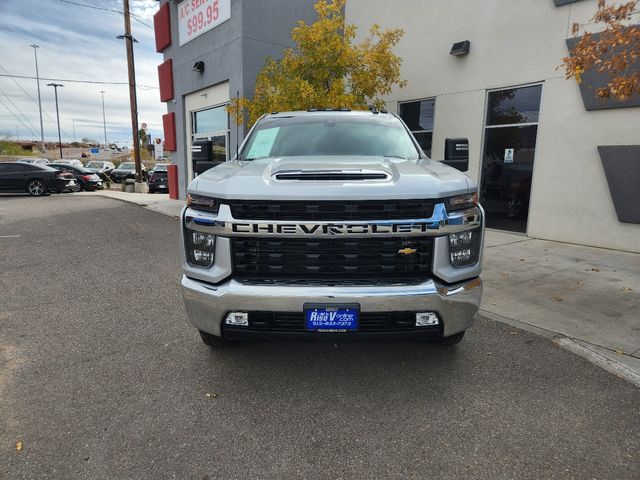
<point>338,259</point>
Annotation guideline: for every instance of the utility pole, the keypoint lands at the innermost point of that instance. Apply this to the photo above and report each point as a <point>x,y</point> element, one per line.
<point>104,122</point>
<point>35,53</point>
<point>55,88</point>
<point>133,100</point>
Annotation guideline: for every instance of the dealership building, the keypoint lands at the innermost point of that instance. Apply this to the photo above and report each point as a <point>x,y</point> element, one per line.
<point>551,160</point>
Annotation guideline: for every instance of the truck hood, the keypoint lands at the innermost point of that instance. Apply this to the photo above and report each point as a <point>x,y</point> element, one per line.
<point>396,179</point>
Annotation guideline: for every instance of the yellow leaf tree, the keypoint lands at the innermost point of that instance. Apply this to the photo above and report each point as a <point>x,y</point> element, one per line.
<point>326,69</point>
<point>615,50</point>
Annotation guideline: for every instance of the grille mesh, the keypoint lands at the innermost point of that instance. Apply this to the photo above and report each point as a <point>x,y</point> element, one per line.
<point>337,259</point>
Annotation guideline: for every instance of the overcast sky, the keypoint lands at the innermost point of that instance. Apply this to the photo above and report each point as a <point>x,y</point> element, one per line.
<point>76,43</point>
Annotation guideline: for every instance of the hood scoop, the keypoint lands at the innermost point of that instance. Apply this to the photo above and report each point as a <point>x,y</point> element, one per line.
<point>331,175</point>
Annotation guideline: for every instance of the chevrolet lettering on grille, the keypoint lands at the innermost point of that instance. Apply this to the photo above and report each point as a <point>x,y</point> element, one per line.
<point>304,229</point>
<point>440,223</point>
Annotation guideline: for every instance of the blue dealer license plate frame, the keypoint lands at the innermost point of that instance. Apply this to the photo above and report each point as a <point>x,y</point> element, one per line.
<point>331,318</point>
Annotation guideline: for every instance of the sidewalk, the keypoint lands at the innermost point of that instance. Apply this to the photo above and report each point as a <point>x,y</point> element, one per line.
<point>158,202</point>
<point>585,299</point>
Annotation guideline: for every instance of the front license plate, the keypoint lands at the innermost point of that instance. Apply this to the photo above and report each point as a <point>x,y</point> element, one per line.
<point>331,318</point>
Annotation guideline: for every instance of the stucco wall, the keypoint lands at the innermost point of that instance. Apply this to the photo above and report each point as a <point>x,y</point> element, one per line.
<point>514,43</point>
<point>233,52</point>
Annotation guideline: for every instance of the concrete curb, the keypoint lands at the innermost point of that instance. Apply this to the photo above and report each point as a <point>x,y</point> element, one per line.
<point>157,203</point>
<point>585,350</point>
<point>588,352</point>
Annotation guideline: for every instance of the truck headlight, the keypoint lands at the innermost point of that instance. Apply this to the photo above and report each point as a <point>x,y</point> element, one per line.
<point>200,248</point>
<point>464,247</point>
<point>462,202</point>
<point>200,202</point>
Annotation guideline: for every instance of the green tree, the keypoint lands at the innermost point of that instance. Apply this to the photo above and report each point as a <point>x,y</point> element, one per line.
<point>326,69</point>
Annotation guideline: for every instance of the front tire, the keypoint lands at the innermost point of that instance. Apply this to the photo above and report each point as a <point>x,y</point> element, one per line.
<point>36,188</point>
<point>451,340</point>
<point>213,341</point>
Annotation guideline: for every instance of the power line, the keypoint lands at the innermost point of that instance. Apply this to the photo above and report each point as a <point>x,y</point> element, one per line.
<point>19,111</point>
<point>136,17</point>
<point>33,99</point>
<point>17,118</point>
<point>18,84</point>
<point>96,82</point>
<point>95,7</point>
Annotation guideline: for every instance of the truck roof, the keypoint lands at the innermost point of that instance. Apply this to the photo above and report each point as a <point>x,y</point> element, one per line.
<point>339,111</point>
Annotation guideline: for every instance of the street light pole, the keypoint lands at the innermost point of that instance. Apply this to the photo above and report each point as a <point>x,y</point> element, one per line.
<point>35,53</point>
<point>74,129</point>
<point>55,88</point>
<point>104,122</point>
<point>133,100</point>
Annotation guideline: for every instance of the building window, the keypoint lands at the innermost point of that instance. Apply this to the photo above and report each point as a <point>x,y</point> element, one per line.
<point>510,137</point>
<point>514,106</point>
<point>419,117</point>
<point>212,124</point>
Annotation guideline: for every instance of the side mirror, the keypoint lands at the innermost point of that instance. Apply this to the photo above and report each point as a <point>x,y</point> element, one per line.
<point>456,153</point>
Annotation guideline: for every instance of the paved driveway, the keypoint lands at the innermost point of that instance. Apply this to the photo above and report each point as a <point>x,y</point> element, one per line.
<point>101,376</point>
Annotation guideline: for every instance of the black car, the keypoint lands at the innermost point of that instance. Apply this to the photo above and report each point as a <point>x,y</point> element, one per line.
<point>126,170</point>
<point>85,178</point>
<point>158,179</point>
<point>35,180</point>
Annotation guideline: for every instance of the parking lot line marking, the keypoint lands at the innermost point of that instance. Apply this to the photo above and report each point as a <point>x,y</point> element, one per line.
<point>9,236</point>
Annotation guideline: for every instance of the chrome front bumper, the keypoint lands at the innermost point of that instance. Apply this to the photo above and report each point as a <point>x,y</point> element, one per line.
<point>207,305</point>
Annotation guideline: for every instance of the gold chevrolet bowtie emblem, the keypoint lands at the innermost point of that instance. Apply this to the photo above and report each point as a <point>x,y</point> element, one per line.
<point>407,251</point>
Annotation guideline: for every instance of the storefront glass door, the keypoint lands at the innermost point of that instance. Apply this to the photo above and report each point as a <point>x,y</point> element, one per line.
<point>509,150</point>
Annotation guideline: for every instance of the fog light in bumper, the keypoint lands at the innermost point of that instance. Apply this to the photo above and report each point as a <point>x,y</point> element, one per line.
<point>464,247</point>
<point>427,319</point>
<point>200,248</point>
<point>237,319</point>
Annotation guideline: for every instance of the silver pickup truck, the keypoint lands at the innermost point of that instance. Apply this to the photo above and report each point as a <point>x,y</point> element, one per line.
<point>331,225</point>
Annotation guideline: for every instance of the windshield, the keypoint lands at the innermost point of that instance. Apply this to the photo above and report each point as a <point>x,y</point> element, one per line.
<point>160,167</point>
<point>127,166</point>
<point>330,134</point>
<point>95,165</point>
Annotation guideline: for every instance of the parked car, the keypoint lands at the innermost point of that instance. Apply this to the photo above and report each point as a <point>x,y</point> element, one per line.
<point>35,180</point>
<point>72,161</point>
<point>34,161</point>
<point>158,181</point>
<point>101,168</point>
<point>85,178</point>
<point>126,170</point>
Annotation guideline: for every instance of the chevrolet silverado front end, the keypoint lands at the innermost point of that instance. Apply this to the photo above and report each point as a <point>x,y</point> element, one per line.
<point>331,226</point>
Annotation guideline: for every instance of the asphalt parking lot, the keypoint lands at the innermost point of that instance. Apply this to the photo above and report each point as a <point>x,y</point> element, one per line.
<point>101,376</point>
